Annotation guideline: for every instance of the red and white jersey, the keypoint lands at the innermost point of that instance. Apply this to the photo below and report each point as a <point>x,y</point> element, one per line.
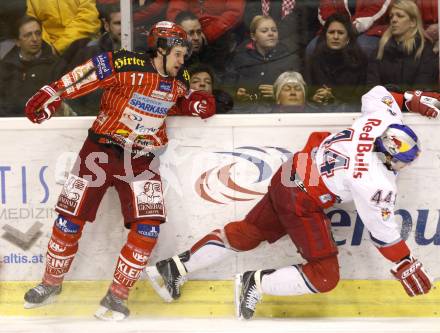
<point>136,98</point>
<point>350,168</point>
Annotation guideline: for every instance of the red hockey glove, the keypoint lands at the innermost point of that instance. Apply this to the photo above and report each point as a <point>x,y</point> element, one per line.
<point>425,103</point>
<point>200,103</point>
<point>412,276</point>
<point>43,104</point>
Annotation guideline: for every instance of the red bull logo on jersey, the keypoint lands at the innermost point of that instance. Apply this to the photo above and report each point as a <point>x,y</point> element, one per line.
<point>386,213</point>
<point>365,145</point>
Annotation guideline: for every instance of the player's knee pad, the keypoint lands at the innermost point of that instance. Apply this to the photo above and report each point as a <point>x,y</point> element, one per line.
<point>144,234</point>
<point>67,230</point>
<point>323,274</point>
<point>62,247</point>
<point>242,236</point>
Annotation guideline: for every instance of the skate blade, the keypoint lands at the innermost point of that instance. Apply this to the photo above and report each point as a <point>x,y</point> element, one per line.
<point>49,300</point>
<point>237,294</point>
<point>106,314</point>
<point>157,283</point>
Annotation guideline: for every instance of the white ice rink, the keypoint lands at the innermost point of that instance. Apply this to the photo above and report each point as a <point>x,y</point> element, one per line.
<point>58,325</point>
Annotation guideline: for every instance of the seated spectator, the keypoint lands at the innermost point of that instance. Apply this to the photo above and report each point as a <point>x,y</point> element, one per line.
<point>336,72</point>
<point>404,57</point>
<point>218,20</point>
<point>257,63</point>
<point>10,12</point>
<point>26,68</point>
<point>84,49</point>
<point>290,92</point>
<point>65,21</point>
<point>202,78</point>
<point>367,16</point>
<point>295,25</point>
<point>190,23</point>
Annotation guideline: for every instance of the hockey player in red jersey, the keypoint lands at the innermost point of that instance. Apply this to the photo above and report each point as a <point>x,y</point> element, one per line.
<point>140,90</point>
<point>358,164</point>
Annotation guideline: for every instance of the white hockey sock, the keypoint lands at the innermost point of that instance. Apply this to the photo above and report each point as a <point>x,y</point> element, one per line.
<point>286,281</point>
<point>207,255</point>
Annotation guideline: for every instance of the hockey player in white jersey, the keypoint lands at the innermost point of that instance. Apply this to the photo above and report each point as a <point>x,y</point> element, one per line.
<point>358,164</point>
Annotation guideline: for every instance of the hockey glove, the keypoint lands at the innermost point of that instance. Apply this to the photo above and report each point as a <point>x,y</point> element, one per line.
<point>200,103</point>
<point>412,276</point>
<point>43,104</point>
<point>425,103</point>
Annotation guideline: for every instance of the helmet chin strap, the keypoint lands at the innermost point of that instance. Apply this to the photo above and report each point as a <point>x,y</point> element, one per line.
<point>164,61</point>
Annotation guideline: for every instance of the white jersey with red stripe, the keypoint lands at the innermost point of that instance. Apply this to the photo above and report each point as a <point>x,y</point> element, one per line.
<point>352,170</point>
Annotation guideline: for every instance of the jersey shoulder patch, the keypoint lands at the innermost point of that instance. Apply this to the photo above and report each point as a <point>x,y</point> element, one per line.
<point>102,63</point>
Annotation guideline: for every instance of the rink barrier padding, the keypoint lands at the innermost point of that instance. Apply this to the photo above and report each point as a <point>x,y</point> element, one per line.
<point>204,299</point>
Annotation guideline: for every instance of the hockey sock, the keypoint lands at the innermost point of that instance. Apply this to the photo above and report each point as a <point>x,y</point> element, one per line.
<point>209,250</point>
<point>287,281</point>
<point>134,257</point>
<point>61,250</point>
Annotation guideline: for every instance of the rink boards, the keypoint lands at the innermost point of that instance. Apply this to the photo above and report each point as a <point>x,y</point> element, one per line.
<point>213,172</point>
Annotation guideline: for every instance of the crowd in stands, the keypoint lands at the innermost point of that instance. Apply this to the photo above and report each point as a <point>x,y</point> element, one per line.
<point>254,56</point>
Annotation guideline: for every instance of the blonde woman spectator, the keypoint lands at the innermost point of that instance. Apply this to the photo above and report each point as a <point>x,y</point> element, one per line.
<point>65,21</point>
<point>258,63</point>
<point>404,57</point>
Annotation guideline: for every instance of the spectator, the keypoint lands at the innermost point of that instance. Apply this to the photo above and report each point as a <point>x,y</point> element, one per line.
<point>191,24</point>
<point>84,49</point>
<point>202,78</point>
<point>288,14</point>
<point>336,72</point>
<point>259,62</point>
<point>10,13</point>
<point>367,16</point>
<point>27,67</point>
<point>218,19</point>
<point>65,21</point>
<point>290,95</point>
<point>290,92</point>
<point>404,57</point>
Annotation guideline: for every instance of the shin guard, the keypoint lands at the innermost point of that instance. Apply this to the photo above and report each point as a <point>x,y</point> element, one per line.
<point>134,256</point>
<point>61,249</point>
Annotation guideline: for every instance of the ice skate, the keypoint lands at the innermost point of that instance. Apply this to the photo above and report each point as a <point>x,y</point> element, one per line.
<point>247,294</point>
<point>41,295</point>
<point>167,276</point>
<point>112,308</point>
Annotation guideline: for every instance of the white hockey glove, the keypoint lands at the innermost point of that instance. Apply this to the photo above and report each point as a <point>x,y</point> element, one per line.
<point>425,103</point>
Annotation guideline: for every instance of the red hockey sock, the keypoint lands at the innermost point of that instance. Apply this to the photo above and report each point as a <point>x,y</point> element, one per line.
<point>134,256</point>
<point>61,249</point>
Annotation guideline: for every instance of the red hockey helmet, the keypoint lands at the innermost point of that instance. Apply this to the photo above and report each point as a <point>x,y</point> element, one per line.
<point>167,34</point>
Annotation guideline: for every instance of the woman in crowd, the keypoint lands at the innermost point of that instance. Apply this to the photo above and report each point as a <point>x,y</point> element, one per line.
<point>404,56</point>
<point>336,72</point>
<point>290,93</point>
<point>257,63</point>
